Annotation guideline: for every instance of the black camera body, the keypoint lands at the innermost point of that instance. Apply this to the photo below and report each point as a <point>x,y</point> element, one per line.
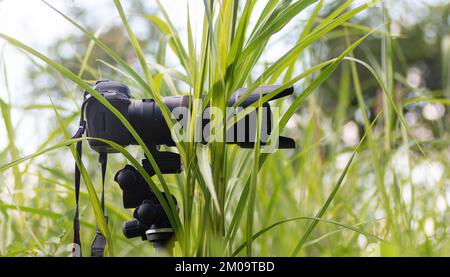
<point>144,115</point>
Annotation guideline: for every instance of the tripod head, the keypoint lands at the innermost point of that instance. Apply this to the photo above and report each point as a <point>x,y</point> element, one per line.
<point>151,222</point>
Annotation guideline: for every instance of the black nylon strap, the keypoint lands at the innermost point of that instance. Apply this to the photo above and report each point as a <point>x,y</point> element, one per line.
<point>99,242</point>
<point>76,250</point>
<point>103,159</point>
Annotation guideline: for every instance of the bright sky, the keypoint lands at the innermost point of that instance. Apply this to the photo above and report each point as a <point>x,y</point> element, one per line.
<point>35,24</point>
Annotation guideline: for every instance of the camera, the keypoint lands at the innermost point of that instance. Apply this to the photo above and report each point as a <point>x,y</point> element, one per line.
<point>150,221</point>
<point>147,119</point>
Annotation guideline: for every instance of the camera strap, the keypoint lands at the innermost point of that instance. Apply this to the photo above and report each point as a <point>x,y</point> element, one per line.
<point>76,249</point>
<point>99,242</point>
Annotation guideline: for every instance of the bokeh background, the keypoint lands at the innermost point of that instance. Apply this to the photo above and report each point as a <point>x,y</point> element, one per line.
<point>403,198</point>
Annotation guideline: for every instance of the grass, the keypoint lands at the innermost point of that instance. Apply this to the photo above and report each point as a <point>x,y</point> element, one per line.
<point>323,199</point>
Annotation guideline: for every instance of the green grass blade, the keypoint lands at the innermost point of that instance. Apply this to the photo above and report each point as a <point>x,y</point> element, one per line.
<point>332,195</point>
<point>270,227</point>
<point>68,74</point>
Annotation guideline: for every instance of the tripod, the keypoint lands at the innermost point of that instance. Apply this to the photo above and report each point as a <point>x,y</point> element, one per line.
<point>151,222</point>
